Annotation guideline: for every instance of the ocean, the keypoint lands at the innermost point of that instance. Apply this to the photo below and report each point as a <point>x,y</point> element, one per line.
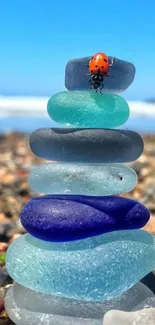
<point>25,114</point>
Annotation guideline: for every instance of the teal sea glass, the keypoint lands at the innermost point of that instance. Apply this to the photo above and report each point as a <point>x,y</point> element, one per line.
<point>93,269</point>
<point>88,109</point>
<point>106,179</point>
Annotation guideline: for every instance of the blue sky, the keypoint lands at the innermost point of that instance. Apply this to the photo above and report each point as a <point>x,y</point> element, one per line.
<point>38,37</point>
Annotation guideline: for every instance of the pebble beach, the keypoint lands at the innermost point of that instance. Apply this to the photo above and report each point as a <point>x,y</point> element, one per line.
<point>16,160</point>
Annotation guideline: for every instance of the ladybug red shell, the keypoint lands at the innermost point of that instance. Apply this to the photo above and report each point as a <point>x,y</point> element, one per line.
<point>99,63</point>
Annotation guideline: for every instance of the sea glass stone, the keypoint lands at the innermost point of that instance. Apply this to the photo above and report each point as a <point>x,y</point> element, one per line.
<point>86,145</point>
<point>25,306</point>
<point>147,303</point>
<point>24,316</point>
<point>106,179</point>
<point>92,269</point>
<point>66,218</point>
<point>76,77</point>
<point>87,109</point>
<point>140,317</point>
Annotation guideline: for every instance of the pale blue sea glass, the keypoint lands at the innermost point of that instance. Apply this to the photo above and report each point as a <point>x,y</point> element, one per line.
<point>25,306</point>
<point>93,269</point>
<point>105,179</point>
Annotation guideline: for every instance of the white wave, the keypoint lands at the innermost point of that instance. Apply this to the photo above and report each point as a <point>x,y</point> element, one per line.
<point>142,109</point>
<point>23,106</point>
<point>37,106</point>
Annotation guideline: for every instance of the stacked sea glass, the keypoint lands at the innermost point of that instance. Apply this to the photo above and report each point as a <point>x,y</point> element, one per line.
<point>84,253</point>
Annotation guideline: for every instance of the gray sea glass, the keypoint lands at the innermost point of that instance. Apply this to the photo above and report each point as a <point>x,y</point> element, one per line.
<point>86,145</point>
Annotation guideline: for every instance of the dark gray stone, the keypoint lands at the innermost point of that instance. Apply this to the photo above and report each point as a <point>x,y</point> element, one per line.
<point>86,145</point>
<point>76,78</point>
<point>149,281</point>
<point>4,277</point>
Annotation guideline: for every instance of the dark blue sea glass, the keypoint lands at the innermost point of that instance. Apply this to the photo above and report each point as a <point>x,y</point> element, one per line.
<point>68,217</point>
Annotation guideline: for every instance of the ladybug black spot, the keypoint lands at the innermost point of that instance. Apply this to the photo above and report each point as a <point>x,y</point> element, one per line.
<point>105,60</point>
<point>96,66</point>
<point>102,67</point>
<point>91,71</point>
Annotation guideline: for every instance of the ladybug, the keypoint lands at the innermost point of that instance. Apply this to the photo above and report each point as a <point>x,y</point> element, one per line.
<point>99,66</point>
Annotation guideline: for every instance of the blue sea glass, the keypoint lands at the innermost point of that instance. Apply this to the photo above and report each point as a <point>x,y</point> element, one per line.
<point>55,178</point>
<point>87,109</point>
<point>25,306</point>
<point>93,269</point>
<point>76,75</point>
<point>67,218</point>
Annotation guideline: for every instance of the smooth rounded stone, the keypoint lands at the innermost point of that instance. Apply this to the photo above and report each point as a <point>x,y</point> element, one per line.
<point>105,179</point>
<point>50,305</point>
<point>76,78</point>
<point>140,317</point>
<point>87,109</point>
<point>23,316</point>
<point>93,269</point>
<point>86,145</point>
<point>66,218</point>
